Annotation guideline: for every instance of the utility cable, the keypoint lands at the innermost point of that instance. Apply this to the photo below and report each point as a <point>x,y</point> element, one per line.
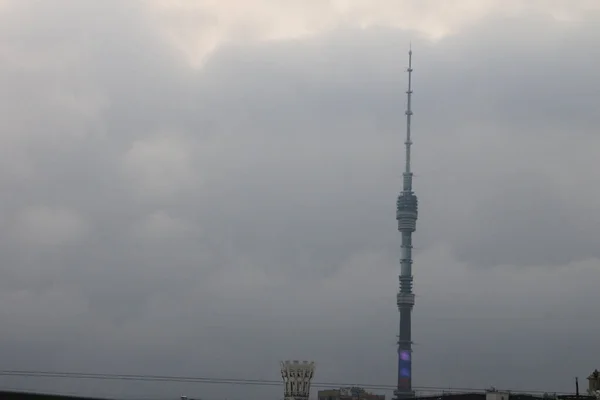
<point>236,381</point>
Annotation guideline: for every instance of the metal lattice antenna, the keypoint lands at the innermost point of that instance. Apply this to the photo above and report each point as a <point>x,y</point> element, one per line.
<point>407,172</point>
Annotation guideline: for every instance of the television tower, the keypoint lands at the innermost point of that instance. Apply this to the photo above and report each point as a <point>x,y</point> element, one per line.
<point>406,214</point>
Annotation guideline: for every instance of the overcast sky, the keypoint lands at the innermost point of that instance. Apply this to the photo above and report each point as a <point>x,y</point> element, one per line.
<point>205,188</point>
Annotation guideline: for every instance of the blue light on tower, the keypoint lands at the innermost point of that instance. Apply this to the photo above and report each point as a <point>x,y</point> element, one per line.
<point>404,367</point>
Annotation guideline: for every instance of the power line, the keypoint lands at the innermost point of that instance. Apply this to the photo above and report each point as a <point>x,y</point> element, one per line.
<point>233,381</point>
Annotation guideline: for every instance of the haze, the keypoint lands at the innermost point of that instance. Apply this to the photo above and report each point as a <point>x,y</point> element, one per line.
<point>205,188</point>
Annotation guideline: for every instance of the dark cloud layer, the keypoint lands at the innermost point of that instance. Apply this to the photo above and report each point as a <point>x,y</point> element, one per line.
<point>210,222</point>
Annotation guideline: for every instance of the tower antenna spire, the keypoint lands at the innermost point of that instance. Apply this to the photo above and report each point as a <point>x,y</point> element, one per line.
<point>406,215</point>
<point>408,112</point>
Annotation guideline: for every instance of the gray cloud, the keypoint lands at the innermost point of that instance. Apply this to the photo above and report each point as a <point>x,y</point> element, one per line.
<point>160,219</point>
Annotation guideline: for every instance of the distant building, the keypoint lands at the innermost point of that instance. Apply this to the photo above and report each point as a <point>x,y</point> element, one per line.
<point>350,393</point>
<point>494,394</point>
<point>497,395</point>
<point>594,384</point>
<point>296,377</point>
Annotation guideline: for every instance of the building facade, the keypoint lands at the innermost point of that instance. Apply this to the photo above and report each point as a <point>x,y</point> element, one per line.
<point>349,393</point>
<point>594,384</point>
<point>297,377</point>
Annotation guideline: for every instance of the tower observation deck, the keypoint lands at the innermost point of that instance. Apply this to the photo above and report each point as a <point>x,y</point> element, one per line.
<point>406,215</point>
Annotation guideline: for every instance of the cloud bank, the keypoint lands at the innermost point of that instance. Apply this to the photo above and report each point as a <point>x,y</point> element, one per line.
<point>164,216</point>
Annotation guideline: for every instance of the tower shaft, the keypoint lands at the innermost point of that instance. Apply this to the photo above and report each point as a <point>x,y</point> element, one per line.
<point>406,214</point>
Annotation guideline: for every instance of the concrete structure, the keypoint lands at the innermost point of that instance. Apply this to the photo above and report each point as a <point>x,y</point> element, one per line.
<point>496,395</point>
<point>406,214</point>
<point>296,378</point>
<point>594,384</point>
<point>349,393</point>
